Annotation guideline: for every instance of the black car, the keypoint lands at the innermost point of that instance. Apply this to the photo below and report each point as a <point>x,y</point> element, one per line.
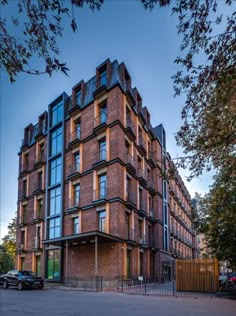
<point>22,279</point>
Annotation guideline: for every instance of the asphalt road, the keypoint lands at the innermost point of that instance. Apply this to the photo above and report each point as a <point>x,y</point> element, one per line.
<point>56,302</point>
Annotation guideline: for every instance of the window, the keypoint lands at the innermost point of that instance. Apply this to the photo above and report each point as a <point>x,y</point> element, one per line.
<point>55,171</point>
<point>76,194</point>
<point>102,186</point>
<point>141,263</point>
<point>37,238</point>
<point>56,114</point>
<point>140,229</point>
<point>41,151</point>
<point>55,201</point>
<point>39,208</point>
<point>77,130</point>
<point>25,187</point>
<point>26,161</point>
<point>22,238</point>
<point>23,214</point>
<point>128,263</point>
<point>76,225</point>
<point>103,77</point>
<point>128,186</point>
<point>56,141</point>
<point>102,149</point>
<point>141,202</point>
<point>77,162</point>
<point>53,264</point>
<point>102,221</point>
<point>78,97</point>
<point>103,113</point>
<point>140,136</point>
<point>54,228</point>
<point>127,226</point>
<point>40,180</point>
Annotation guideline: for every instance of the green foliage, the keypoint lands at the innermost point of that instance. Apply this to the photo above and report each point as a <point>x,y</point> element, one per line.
<point>216,217</point>
<point>8,248</point>
<point>41,25</point>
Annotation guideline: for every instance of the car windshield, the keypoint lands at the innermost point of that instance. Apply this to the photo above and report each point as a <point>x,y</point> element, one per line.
<point>26,273</point>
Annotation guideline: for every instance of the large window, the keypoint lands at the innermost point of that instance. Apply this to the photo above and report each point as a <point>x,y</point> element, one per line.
<point>56,113</point>
<point>54,228</point>
<point>53,264</point>
<point>78,97</point>
<point>128,263</point>
<point>102,221</point>
<point>39,208</point>
<point>56,141</point>
<point>55,201</point>
<point>103,77</point>
<point>102,149</point>
<point>55,172</point>
<point>77,130</point>
<point>102,186</point>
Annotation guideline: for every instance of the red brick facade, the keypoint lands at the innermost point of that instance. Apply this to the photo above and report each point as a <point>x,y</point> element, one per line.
<point>115,218</point>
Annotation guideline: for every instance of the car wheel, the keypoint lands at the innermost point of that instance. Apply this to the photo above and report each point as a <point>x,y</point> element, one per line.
<point>5,284</point>
<point>41,287</point>
<point>20,286</point>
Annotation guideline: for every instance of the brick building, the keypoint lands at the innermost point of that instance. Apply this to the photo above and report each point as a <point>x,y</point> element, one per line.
<point>91,199</point>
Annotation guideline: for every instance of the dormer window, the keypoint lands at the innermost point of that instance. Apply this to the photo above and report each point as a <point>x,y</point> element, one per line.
<point>78,97</point>
<point>103,77</point>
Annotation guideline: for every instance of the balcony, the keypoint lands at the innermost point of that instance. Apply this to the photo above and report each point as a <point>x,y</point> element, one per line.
<point>39,160</point>
<point>151,216</point>
<point>23,195</point>
<point>100,159</point>
<point>74,172</point>
<point>100,196</point>
<point>74,138</point>
<point>24,169</point>
<point>74,204</point>
<point>151,159</point>
<point>130,129</point>
<point>150,185</point>
<point>21,219</point>
<point>74,106</point>
<point>36,243</point>
<point>40,130</point>
<point>129,92</point>
<point>142,176</point>
<point>24,143</point>
<point>131,199</point>
<point>38,215</point>
<point>100,86</point>
<point>142,208</point>
<point>141,146</point>
<point>130,235</point>
<point>20,247</point>
<point>38,188</point>
<point>143,241</point>
<point>129,160</point>
<point>100,122</point>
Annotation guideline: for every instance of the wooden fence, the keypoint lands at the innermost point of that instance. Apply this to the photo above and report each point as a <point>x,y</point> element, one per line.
<point>197,275</point>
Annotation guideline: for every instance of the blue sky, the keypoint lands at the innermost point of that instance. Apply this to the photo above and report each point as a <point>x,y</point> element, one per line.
<point>146,41</point>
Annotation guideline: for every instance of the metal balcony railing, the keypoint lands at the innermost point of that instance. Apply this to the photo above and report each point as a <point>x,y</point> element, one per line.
<point>40,157</point>
<point>100,193</point>
<point>130,234</point>
<point>131,197</point>
<point>142,206</point>
<point>141,173</point>
<point>100,155</point>
<point>101,118</point>
<point>21,219</point>
<point>74,136</point>
<point>143,240</point>
<point>20,246</point>
<point>130,124</point>
<point>74,169</point>
<point>74,202</point>
<point>129,159</point>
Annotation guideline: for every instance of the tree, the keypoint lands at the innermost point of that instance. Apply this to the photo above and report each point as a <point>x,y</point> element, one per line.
<point>41,24</point>
<point>7,255</point>
<point>216,218</point>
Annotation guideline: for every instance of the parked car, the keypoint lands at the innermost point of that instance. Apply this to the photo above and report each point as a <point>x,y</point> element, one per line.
<point>22,279</point>
<point>231,279</point>
<point>222,278</point>
<point>1,278</point>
